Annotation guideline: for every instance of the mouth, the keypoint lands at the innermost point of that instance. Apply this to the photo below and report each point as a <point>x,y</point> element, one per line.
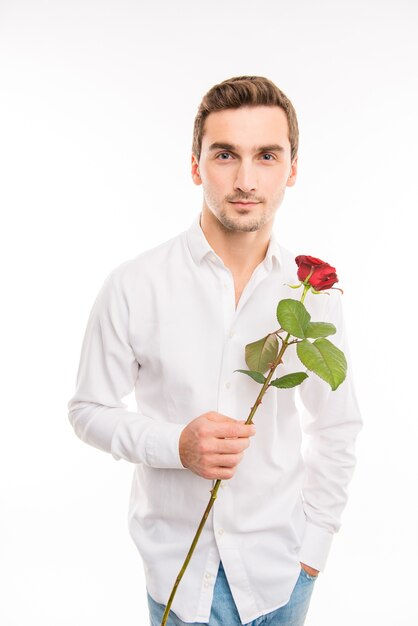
<point>244,204</point>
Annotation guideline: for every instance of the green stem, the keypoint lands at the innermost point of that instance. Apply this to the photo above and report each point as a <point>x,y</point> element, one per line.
<point>214,493</point>
<point>306,288</point>
<point>215,488</point>
<point>265,386</point>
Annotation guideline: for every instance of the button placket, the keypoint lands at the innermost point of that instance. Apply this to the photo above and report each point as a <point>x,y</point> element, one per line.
<point>230,321</point>
<point>228,310</point>
<point>226,404</point>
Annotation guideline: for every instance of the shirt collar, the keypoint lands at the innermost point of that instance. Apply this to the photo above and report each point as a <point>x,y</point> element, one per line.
<point>200,247</point>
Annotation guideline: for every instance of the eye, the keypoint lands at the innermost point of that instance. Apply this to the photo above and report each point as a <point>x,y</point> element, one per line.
<point>267,154</point>
<point>221,154</point>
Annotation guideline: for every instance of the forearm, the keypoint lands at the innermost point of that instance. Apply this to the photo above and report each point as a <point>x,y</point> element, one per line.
<point>329,466</point>
<point>331,421</point>
<point>126,434</point>
<point>108,371</point>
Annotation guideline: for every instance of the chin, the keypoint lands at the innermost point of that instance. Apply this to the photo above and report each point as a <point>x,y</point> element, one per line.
<point>241,225</point>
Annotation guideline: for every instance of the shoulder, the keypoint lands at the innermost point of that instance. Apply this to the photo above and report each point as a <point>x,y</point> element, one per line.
<point>148,265</point>
<point>287,260</point>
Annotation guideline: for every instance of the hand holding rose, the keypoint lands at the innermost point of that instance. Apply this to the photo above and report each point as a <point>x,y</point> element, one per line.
<point>213,444</point>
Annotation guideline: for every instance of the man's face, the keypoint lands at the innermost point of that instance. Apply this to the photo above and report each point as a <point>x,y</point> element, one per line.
<point>245,165</point>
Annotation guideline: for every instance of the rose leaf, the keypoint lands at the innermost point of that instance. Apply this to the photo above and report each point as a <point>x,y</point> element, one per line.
<point>319,329</point>
<point>324,359</point>
<point>260,354</point>
<point>293,317</point>
<point>257,376</point>
<point>290,380</point>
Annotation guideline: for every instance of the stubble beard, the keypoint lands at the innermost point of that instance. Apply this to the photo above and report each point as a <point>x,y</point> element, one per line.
<point>237,225</point>
<point>246,223</point>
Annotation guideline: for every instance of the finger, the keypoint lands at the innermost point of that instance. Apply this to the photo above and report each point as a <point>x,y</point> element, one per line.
<point>218,417</point>
<point>231,446</point>
<point>229,427</point>
<point>223,473</point>
<point>227,460</point>
<point>231,431</point>
<point>252,431</point>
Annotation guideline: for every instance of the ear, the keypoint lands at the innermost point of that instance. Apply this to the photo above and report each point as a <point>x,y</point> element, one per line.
<point>195,171</point>
<point>293,173</point>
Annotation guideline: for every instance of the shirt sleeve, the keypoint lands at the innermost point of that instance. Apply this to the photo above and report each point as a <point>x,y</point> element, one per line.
<point>331,421</point>
<point>108,372</point>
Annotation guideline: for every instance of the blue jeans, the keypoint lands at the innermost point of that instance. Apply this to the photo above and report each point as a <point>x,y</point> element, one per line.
<point>224,611</point>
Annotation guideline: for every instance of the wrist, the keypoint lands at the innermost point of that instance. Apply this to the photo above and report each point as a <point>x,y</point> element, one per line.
<point>310,570</point>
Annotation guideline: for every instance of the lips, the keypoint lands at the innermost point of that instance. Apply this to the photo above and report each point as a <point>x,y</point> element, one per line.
<point>245,203</point>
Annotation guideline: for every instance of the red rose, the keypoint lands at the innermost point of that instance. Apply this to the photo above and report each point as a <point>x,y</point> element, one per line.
<point>323,275</point>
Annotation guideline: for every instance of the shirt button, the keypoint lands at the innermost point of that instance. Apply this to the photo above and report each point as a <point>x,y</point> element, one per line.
<point>206,585</point>
<point>221,531</point>
<point>225,285</point>
<point>223,485</point>
<point>227,384</point>
<point>208,575</point>
<point>232,333</point>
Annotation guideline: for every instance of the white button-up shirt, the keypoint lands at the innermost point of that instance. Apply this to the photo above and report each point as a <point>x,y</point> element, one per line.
<point>166,324</point>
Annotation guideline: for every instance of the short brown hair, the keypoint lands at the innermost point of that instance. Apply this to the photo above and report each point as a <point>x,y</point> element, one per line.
<point>244,91</point>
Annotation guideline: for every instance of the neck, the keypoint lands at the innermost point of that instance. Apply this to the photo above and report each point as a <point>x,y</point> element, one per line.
<point>240,251</point>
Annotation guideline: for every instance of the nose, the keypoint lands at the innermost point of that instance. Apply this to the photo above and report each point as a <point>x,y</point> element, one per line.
<point>246,180</point>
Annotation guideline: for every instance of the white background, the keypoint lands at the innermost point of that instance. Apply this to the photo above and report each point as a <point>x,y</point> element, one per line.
<point>97,102</point>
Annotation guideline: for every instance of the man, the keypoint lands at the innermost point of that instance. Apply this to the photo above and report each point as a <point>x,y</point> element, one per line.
<point>173,322</point>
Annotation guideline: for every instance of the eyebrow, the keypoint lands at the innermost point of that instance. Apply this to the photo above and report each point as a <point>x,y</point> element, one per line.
<point>219,145</point>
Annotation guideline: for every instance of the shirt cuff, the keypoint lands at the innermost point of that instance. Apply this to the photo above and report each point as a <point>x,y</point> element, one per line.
<point>315,547</point>
<point>162,445</point>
